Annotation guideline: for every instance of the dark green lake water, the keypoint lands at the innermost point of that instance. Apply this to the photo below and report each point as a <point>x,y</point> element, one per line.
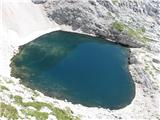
<point>79,68</point>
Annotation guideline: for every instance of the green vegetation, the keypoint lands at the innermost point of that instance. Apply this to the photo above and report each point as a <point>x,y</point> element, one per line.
<point>8,111</point>
<point>59,113</point>
<point>3,88</point>
<point>138,34</point>
<point>135,33</point>
<point>64,114</point>
<point>18,99</point>
<point>37,105</point>
<point>118,26</point>
<point>149,70</point>
<point>115,1</point>
<point>35,113</point>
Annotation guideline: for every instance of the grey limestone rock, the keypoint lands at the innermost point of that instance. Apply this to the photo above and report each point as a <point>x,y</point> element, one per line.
<point>39,1</point>
<point>155,60</point>
<point>96,16</point>
<point>107,4</point>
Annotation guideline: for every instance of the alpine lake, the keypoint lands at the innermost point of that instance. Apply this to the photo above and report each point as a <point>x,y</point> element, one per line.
<point>78,68</point>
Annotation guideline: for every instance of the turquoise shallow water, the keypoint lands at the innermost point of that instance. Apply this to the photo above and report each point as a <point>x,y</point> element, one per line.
<point>79,68</point>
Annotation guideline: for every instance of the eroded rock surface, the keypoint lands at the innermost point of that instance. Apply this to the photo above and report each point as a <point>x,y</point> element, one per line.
<point>97,17</point>
<point>135,23</point>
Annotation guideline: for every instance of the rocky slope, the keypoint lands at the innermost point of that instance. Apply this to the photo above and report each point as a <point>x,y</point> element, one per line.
<point>135,23</point>
<point>102,17</point>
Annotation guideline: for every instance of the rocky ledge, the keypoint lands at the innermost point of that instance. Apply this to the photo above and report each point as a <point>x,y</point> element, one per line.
<point>121,21</point>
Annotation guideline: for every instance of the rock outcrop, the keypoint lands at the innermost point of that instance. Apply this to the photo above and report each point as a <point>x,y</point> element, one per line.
<point>97,17</point>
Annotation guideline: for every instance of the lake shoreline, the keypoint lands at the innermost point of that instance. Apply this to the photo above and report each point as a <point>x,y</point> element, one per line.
<point>97,45</point>
<point>13,39</point>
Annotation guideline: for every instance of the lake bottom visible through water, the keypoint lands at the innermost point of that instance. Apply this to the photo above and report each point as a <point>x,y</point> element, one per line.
<point>81,69</point>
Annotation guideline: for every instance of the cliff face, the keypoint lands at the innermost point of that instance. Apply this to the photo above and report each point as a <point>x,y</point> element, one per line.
<point>126,22</point>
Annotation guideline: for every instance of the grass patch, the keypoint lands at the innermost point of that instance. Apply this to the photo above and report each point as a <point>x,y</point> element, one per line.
<point>35,113</point>
<point>138,34</point>
<point>37,105</point>
<point>59,113</point>
<point>118,26</point>
<point>18,99</point>
<point>64,114</point>
<point>8,111</point>
<point>134,33</point>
